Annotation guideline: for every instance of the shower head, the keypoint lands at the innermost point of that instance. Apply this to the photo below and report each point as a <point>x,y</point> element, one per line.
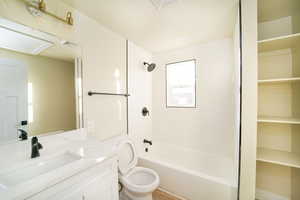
<point>150,67</point>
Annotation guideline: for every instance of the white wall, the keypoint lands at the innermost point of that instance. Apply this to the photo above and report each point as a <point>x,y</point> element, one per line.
<point>140,89</point>
<point>210,128</point>
<point>104,61</point>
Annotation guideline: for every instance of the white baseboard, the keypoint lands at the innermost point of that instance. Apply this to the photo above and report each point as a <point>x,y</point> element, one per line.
<point>266,195</point>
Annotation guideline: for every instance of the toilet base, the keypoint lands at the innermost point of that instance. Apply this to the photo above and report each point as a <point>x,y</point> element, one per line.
<point>126,195</point>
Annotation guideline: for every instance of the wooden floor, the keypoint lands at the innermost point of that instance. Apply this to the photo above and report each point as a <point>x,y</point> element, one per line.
<point>160,195</point>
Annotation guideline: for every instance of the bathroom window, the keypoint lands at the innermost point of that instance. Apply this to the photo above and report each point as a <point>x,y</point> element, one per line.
<point>30,103</point>
<point>181,84</point>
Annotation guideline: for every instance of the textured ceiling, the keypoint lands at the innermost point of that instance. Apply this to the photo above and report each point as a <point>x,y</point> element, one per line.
<point>177,24</point>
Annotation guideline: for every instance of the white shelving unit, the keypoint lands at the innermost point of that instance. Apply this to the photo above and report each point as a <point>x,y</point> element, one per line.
<point>279,80</point>
<point>278,157</point>
<point>277,43</point>
<point>278,152</point>
<point>279,120</point>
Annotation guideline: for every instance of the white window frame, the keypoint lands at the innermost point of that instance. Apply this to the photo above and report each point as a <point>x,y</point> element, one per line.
<point>166,86</point>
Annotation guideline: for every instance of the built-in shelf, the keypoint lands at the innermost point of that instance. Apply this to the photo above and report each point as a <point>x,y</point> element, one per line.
<point>282,42</point>
<point>280,120</point>
<point>279,80</point>
<point>278,157</point>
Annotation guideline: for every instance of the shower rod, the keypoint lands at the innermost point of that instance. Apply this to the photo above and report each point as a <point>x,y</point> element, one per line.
<point>90,93</point>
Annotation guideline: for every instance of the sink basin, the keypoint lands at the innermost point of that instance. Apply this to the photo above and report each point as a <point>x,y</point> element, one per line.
<point>35,168</point>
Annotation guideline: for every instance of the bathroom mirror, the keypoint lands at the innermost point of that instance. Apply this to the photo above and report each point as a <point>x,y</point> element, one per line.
<point>40,83</point>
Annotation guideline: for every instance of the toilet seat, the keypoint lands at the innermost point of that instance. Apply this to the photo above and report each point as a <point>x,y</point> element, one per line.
<point>135,179</point>
<point>127,156</point>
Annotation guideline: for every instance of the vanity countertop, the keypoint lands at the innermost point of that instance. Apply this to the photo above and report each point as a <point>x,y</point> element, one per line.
<point>78,153</point>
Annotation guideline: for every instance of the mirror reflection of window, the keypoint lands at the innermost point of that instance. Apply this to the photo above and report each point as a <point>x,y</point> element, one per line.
<point>181,84</point>
<point>30,103</point>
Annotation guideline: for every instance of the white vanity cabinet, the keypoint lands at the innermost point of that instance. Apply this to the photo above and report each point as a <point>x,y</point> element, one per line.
<point>99,182</point>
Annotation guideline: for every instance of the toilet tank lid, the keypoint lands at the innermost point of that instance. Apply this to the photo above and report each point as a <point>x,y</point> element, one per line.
<point>127,158</point>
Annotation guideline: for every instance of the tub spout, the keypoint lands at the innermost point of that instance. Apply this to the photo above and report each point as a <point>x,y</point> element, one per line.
<point>147,142</point>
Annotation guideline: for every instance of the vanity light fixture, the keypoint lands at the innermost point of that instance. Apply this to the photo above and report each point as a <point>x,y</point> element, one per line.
<point>36,7</point>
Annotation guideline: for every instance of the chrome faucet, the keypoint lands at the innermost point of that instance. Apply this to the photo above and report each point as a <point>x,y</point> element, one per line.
<point>35,147</point>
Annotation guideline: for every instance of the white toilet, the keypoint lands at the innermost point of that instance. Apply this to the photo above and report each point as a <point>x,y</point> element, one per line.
<point>138,182</point>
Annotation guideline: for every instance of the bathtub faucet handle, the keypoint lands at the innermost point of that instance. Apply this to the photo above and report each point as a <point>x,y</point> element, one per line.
<point>147,142</point>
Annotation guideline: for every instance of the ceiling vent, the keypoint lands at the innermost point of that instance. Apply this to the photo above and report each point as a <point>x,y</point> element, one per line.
<point>159,4</point>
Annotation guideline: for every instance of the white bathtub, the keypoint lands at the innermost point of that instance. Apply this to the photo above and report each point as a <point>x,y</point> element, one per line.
<point>190,174</point>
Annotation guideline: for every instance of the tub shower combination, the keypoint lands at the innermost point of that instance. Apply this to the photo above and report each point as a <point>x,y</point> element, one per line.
<point>191,174</point>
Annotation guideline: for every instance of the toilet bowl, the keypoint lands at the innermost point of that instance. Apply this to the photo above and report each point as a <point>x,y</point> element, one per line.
<point>138,182</point>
